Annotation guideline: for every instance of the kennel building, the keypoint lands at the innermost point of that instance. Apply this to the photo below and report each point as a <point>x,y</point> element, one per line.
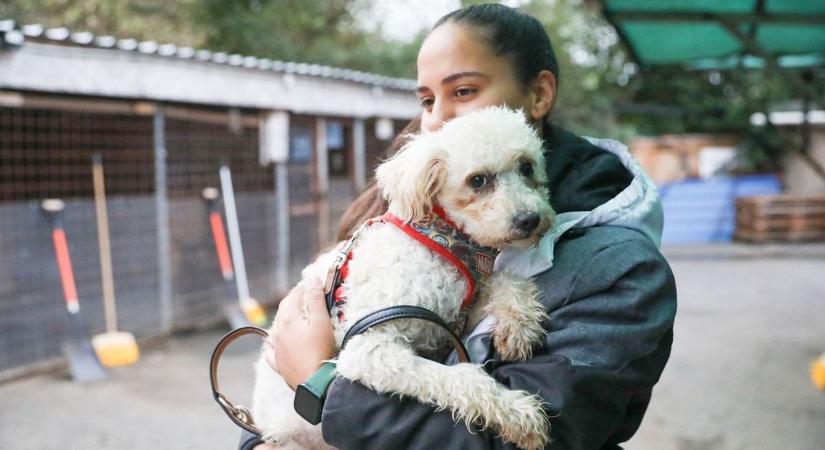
<point>301,141</point>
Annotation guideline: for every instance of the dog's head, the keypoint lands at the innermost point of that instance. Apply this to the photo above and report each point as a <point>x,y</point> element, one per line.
<point>486,169</point>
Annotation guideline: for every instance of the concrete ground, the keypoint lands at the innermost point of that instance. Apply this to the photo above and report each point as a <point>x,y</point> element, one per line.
<point>749,323</point>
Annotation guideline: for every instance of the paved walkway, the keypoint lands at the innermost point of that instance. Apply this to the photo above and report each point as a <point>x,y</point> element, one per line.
<point>746,331</point>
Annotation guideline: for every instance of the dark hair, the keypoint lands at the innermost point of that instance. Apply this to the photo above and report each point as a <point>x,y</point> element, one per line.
<point>370,203</point>
<point>511,33</point>
<point>508,32</point>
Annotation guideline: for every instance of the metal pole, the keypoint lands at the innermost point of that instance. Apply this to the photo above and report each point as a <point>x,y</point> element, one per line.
<point>359,154</point>
<point>234,232</point>
<point>282,196</point>
<point>162,214</point>
<point>322,161</point>
<point>321,155</point>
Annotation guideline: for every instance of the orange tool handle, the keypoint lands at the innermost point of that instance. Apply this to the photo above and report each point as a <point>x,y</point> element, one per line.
<point>220,245</point>
<point>64,264</point>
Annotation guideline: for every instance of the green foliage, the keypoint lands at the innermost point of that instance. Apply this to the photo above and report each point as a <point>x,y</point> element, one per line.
<point>593,67</point>
<point>314,31</point>
<point>158,20</point>
<point>761,151</point>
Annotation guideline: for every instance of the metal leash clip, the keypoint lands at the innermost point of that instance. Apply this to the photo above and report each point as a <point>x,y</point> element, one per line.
<point>240,415</point>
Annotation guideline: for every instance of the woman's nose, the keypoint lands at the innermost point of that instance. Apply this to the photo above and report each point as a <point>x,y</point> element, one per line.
<point>439,114</point>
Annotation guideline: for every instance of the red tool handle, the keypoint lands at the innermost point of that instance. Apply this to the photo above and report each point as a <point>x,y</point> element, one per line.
<point>64,264</point>
<point>220,245</point>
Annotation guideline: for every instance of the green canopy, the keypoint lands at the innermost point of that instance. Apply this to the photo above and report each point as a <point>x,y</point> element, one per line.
<point>721,34</point>
<point>777,35</point>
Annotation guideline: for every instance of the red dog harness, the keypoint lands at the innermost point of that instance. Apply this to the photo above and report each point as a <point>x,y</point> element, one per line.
<point>437,233</point>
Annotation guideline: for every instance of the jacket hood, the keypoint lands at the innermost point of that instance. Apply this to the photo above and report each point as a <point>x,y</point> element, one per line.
<point>592,182</point>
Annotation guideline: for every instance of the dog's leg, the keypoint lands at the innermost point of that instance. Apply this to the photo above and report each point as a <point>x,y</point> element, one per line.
<point>384,363</point>
<point>273,412</point>
<point>514,302</point>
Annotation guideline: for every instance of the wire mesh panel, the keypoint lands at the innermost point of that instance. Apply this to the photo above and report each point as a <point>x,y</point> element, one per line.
<point>198,143</point>
<point>376,147</point>
<point>46,153</point>
<point>304,205</point>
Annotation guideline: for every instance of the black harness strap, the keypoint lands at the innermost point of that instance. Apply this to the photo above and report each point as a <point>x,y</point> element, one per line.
<point>391,313</point>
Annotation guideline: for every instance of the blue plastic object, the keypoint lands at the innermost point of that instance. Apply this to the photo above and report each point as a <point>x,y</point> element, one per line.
<point>698,211</point>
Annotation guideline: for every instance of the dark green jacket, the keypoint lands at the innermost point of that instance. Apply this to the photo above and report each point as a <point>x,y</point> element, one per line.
<point>611,302</point>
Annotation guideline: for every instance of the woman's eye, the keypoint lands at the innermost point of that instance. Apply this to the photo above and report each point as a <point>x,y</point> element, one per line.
<point>478,181</point>
<point>426,103</point>
<point>526,169</point>
<point>463,92</point>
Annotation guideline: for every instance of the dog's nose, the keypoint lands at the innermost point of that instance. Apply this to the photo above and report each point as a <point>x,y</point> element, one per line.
<point>526,221</point>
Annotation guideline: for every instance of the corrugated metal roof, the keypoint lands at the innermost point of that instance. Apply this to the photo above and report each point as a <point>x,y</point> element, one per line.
<point>15,35</point>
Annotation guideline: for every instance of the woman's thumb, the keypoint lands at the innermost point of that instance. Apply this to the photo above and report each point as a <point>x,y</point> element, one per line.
<point>314,301</point>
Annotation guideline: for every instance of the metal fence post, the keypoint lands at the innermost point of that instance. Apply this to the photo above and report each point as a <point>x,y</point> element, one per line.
<point>282,196</point>
<point>359,154</point>
<point>322,174</point>
<point>162,213</point>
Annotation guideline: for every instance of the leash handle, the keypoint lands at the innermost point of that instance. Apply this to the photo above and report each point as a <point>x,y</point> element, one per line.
<point>397,312</point>
<point>241,416</point>
<point>238,414</point>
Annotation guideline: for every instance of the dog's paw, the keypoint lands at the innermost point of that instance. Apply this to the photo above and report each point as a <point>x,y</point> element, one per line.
<point>519,315</point>
<point>514,339</point>
<point>527,424</point>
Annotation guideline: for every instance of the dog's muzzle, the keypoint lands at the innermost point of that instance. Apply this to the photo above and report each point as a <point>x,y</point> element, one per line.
<point>526,221</point>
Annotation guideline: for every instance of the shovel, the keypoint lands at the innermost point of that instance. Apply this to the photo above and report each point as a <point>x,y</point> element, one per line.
<point>249,306</point>
<point>231,308</point>
<point>83,363</point>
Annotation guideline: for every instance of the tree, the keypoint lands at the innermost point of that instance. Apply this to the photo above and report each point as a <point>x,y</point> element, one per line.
<point>314,31</point>
<point>156,20</point>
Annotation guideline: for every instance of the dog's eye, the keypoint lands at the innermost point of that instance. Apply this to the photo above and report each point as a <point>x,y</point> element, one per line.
<point>478,181</point>
<point>526,169</point>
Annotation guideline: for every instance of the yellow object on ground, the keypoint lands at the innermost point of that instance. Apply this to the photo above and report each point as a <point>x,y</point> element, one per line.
<point>818,372</point>
<point>253,312</point>
<point>116,349</point>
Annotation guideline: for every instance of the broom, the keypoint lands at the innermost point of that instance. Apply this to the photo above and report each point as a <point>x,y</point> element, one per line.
<point>114,348</point>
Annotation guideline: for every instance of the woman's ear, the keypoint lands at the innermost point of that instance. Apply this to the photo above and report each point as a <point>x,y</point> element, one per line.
<point>544,95</point>
<point>411,179</point>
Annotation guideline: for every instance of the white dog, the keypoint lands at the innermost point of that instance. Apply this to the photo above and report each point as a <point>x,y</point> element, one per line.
<point>486,170</point>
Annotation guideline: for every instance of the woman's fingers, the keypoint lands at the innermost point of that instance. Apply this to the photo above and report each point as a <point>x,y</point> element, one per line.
<point>302,337</point>
<point>315,305</point>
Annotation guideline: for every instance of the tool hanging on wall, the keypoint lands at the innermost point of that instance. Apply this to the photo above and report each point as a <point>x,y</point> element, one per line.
<point>83,363</point>
<point>114,348</point>
<point>251,308</point>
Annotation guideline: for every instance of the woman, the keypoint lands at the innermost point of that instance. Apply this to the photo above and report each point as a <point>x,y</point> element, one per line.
<point>609,294</point>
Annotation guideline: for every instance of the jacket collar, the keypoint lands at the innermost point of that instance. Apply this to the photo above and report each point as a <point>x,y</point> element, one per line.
<point>592,182</point>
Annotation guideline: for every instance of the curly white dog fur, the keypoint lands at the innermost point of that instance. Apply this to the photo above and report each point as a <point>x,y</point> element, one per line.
<point>486,170</point>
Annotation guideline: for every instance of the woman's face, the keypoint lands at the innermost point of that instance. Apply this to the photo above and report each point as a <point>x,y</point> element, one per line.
<point>458,73</point>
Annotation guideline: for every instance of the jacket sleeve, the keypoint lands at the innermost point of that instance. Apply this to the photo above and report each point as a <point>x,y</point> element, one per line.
<point>248,441</point>
<point>607,344</point>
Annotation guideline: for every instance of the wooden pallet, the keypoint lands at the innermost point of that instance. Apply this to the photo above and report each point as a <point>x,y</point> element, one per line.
<point>787,217</point>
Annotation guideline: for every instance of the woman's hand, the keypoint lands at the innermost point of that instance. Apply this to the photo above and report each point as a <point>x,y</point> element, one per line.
<point>267,447</point>
<point>302,336</point>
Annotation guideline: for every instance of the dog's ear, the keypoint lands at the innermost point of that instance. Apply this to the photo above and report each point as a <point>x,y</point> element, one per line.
<point>411,179</point>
